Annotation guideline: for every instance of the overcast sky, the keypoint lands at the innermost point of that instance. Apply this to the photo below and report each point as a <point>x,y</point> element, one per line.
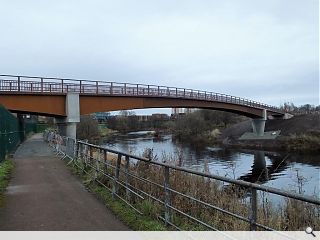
<point>264,50</point>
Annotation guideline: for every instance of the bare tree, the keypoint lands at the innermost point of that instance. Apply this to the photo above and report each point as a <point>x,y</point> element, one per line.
<point>88,128</point>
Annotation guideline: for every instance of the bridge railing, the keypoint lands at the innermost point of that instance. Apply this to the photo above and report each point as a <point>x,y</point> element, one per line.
<point>134,180</point>
<point>27,84</point>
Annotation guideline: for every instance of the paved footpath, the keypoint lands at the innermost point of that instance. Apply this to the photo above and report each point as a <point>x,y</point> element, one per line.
<point>44,195</point>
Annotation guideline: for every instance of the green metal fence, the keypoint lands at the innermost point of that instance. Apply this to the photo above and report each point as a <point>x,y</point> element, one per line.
<point>10,134</point>
<point>13,131</point>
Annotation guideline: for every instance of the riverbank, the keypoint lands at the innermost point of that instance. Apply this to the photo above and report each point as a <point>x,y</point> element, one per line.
<point>299,134</point>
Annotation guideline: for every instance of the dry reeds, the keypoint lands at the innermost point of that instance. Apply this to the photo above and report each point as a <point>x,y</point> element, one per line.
<point>290,215</point>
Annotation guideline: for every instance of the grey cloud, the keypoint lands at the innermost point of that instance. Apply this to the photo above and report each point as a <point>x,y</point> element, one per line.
<point>265,50</point>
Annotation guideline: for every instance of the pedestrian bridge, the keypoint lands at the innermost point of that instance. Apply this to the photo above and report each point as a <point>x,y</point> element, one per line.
<point>47,96</point>
<point>63,97</point>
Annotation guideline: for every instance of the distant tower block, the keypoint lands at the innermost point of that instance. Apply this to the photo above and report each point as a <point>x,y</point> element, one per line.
<point>189,110</point>
<point>177,111</point>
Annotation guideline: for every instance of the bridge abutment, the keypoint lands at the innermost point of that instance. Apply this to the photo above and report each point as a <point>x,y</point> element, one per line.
<point>68,126</point>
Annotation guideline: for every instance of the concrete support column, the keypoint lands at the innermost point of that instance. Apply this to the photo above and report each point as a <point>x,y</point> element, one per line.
<point>258,124</point>
<point>68,126</point>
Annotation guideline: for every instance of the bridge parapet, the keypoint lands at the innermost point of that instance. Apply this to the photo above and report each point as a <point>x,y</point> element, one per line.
<point>45,85</point>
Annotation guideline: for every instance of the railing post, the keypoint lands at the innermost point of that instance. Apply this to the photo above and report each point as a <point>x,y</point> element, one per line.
<point>105,160</point>
<point>127,177</point>
<point>176,92</point>
<point>116,177</point>
<point>97,160</point>
<point>61,85</point>
<point>91,156</point>
<point>125,89</point>
<point>166,195</point>
<point>111,88</point>
<point>19,84</point>
<point>137,89</point>
<point>85,159</point>
<point>254,209</point>
<point>41,84</point>
<point>77,147</point>
<point>148,90</point>
<point>184,92</point>
<point>80,86</point>
<point>97,87</point>
<point>158,91</point>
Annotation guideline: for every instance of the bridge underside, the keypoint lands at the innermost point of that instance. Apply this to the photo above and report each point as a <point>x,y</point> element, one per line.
<point>55,105</point>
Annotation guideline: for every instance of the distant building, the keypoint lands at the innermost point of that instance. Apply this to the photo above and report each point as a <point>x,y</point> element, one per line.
<point>160,116</point>
<point>143,118</point>
<point>189,110</point>
<point>101,116</point>
<point>177,111</point>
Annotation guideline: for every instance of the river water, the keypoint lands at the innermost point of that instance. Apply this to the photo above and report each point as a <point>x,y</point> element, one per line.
<point>291,172</point>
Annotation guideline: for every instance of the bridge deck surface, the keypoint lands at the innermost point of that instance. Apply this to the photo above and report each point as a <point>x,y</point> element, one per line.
<point>44,195</point>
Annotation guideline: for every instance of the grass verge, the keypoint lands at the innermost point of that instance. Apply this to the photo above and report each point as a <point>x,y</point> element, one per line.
<point>127,215</point>
<point>6,168</point>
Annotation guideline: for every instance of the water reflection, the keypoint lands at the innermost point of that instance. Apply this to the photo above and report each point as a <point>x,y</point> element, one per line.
<point>260,172</point>
<point>274,169</point>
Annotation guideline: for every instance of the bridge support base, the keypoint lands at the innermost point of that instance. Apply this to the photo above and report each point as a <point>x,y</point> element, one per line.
<point>258,124</point>
<point>68,126</point>
<point>68,129</point>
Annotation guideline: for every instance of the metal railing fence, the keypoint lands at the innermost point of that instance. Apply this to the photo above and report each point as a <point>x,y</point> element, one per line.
<point>133,179</point>
<point>45,85</point>
<point>9,133</point>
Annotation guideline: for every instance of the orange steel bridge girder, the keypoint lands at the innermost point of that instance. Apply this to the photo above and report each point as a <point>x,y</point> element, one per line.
<point>54,105</point>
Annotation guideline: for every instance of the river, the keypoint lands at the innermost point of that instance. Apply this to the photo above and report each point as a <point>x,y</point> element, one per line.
<point>292,172</point>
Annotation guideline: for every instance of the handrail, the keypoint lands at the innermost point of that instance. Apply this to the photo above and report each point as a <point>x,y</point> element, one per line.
<point>21,83</point>
<point>242,183</point>
<point>88,156</point>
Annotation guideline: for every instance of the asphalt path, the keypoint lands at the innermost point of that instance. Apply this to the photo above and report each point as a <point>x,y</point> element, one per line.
<point>44,195</point>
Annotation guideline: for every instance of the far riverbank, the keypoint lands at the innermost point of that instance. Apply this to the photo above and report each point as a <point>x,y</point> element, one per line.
<point>298,134</point>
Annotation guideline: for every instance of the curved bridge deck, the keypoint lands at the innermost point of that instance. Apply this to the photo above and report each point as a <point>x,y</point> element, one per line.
<point>125,96</point>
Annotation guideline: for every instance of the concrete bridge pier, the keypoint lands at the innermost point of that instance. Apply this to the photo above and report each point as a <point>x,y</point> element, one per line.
<point>258,124</point>
<point>68,126</point>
